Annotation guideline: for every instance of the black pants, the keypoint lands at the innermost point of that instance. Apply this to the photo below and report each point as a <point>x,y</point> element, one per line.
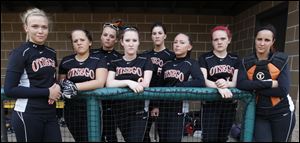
<point>169,123</point>
<point>76,119</point>
<point>217,120</point>
<point>132,120</point>
<point>36,127</point>
<point>109,126</point>
<point>274,128</point>
<point>151,120</point>
<point>170,126</point>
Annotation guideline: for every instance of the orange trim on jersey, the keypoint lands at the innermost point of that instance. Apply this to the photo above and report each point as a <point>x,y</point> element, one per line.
<point>274,71</point>
<point>250,72</point>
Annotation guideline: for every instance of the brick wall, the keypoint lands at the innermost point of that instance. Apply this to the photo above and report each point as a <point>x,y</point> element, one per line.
<point>292,46</point>
<point>63,23</point>
<point>243,37</point>
<point>242,27</point>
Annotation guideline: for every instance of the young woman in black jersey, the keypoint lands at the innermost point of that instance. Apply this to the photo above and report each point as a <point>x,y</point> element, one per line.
<point>179,72</point>
<point>266,73</point>
<point>135,72</point>
<point>158,55</point>
<point>109,38</point>
<point>88,72</point>
<point>30,78</point>
<point>220,70</point>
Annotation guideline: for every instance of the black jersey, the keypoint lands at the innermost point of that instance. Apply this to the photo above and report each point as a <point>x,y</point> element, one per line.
<point>81,71</point>
<point>30,72</point>
<point>182,72</point>
<point>218,68</point>
<point>158,59</point>
<point>108,55</point>
<point>131,70</point>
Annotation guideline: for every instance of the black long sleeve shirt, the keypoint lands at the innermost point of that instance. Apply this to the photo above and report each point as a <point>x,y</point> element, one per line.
<point>30,72</point>
<point>182,72</point>
<point>264,88</point>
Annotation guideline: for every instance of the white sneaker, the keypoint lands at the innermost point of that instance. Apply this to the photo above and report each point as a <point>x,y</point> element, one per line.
<point>198,134</point>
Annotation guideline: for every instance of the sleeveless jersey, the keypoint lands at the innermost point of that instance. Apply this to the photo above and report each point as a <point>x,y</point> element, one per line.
<point>265,70</point>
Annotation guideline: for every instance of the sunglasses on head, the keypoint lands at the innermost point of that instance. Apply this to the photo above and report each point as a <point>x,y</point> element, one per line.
<point>111,25</point>
<point>130,29</point>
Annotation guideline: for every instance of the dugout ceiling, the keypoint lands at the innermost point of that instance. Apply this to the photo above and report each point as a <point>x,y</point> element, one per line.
<point>226,8</point>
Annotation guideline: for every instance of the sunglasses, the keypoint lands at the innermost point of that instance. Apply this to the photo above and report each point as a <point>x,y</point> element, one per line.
<point>130,29</point>
<point>111,25</point>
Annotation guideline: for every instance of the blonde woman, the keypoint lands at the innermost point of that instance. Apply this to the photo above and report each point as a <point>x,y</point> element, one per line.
<point>30,78</point>
<point>135,72</point>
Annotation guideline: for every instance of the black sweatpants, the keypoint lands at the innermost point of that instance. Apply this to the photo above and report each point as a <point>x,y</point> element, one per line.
<point>169,123</point>
<point>36,127</point>
<point>109,127</point>
<point>217,120</point>
<point>132,120</point>
<point>274,128</point>
<point>75,114</point>
<point>170,126</point>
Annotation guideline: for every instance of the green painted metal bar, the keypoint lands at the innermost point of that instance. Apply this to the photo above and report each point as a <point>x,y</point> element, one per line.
<point>94,120</point>
<point>179,93</point>
<point>163,93</point>
<point>249,119</point>
<point>3,122</point>
<point>167,93</point>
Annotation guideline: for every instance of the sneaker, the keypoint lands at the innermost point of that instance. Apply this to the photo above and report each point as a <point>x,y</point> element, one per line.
<point>198,134</point>
<point>62,122</point>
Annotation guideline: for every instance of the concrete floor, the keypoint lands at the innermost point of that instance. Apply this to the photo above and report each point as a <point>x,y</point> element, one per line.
<point>67,137</point>
<point>295,135</point>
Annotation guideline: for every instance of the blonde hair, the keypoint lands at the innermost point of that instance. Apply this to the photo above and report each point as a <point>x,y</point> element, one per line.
<point>33,12</point>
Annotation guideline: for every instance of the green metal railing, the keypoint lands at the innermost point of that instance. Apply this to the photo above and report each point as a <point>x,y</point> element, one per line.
<point>165,93</point>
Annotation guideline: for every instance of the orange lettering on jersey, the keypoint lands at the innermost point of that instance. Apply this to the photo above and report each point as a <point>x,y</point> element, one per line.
<point>221,69</point>
<point>157,61</point>
<point>174,74</point>
<point>129,70</point>
<point>81,72</point>
<point>42,62</point>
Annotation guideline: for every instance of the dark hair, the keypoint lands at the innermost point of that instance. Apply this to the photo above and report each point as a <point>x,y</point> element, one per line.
<point>223,28</point>
<point>190,41</point>
<point>188,36</point>
<point>269,27</point>
<point>158,24</point>
<point>87,34</point>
